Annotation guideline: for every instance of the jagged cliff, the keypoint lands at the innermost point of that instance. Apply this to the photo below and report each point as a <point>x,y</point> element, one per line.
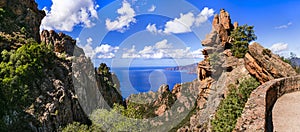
<point>66,90</point>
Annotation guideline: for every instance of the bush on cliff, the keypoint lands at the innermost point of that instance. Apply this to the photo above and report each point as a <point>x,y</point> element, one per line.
<point>241,37</point>
<point>232,106</point>
<point>19,71</point>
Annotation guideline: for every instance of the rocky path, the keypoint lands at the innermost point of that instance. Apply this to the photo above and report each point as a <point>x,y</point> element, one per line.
<point>286,113</point>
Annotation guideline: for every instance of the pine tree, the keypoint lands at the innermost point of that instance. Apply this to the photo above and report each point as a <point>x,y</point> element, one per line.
<point>241,37</point>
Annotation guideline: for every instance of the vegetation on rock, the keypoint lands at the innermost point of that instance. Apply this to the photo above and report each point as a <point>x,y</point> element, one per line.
<point>232,106</point>
<point>267,52</point>
<point>117,119</point>
<point>241,36</point>
<point>19,72</point>
<point>214,59</point>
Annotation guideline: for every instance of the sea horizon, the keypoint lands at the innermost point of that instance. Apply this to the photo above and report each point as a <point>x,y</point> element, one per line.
<point>134,80</point>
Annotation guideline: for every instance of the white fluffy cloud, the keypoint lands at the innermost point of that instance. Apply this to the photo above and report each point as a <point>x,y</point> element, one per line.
<point>184,23</point>
<point>65,14</point>
<point>122,22</point>
<point>160,50</point>
<point>106,51</point>
<point>152,8</point>
<point>203,16</point>
<point>284,26</point>
<point>279,47</point>
<point>102,51</point>
<point>163,45</point>
<point>152,28</point>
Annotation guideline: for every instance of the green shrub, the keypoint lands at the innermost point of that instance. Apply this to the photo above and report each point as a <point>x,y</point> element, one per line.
<point>19,71</point>
<point>104,69</point>
<point>133,110</point>
<point>232,106</point>
<point>116,119</point>
<point>214,59</point>
<point>241,36</point>
<point>76,127</point>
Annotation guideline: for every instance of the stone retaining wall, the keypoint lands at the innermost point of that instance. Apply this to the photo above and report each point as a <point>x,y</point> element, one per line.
<point>257,113</point>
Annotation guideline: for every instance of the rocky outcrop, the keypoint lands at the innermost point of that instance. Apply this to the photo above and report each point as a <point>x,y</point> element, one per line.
<point>109,89</point>
<point>155,103</point>
<point>57,102</point>
<point>216,72</point>
<point>225,20</point>
<point>70,91</point>
<point>212,92</point>
<point>211,39</point>
<point>69,88</point>
<point>60,42</point>
<point>216,51</point>
<point>21,15</point>
<point>204,70</point>
<point>265,65</point>
<point>219,69</point>
<point>94,89</point>
<point>169,108</point>
<point>222,25</point>
<point>12,41</point>
<point>217,42</point>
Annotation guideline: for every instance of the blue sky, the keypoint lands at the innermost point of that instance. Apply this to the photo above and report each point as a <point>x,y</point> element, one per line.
<point>166,32</point>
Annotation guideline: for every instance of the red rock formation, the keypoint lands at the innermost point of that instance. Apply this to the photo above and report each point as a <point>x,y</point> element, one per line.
<point>222,25</point>
<point>204,70</point>
<point>176,90</point>
<point>215,42</point>
<point>266,67</point>
<point>211,39</point>
<point>215,23</point>
<point>224,19</point>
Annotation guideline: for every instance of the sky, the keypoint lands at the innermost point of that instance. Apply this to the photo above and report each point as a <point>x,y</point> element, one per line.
<point>129,33</point>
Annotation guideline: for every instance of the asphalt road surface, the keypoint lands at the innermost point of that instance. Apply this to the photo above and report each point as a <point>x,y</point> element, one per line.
<point>286,113</point>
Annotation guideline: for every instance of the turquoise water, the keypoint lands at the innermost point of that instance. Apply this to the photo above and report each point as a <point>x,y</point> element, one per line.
<point>144,79</point>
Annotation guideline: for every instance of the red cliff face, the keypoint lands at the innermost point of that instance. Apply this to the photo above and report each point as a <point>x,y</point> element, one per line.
<point>222,25</point>
<point>215,42</point>
<point>266,66</point>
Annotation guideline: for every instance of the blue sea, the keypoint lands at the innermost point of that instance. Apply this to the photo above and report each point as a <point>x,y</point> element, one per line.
<point>144,79</point>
